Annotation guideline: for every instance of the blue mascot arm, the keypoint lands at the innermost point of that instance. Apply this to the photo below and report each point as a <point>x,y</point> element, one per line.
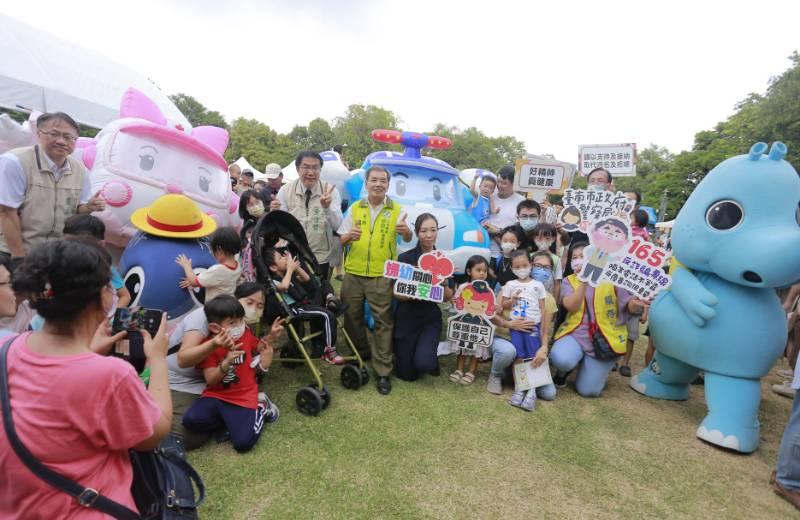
<point>695,300</point>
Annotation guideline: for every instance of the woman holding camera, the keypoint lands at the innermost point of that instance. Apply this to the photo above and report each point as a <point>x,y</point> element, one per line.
<point>75,409</point>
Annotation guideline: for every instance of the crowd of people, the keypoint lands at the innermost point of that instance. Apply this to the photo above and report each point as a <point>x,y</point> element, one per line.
<point>204,379</point>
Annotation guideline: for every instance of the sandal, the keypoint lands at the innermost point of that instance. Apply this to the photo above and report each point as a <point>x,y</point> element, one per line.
<point>456,376</point>
<point>468,378</point>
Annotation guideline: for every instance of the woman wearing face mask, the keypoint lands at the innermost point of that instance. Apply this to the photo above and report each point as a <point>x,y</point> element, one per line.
<point>189,339</point>
<point>542,272</point>
<point>510,241</point>
<point>418,324</point>
<point>252,205</point>
<point>58,383</point>
<point>606,306</point>
<point>251,296</point>
<point>544,239</point>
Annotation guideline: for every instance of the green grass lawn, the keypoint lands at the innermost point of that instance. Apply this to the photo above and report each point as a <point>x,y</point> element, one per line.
<point>433,449</point>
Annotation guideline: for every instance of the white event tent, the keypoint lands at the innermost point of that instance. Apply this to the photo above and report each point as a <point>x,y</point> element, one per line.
<point>40,72</point>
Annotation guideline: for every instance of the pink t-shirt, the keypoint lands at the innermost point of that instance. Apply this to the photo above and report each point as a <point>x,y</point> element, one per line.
<point>78,415</point>
<point>640,232</point>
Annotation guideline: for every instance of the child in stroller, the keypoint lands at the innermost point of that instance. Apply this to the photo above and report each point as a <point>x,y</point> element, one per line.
<point>292,281</point>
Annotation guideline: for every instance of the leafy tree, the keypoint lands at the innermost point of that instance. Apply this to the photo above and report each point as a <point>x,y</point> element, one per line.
<point>299,136</point>
<point>355,126</point>
<point>320,135</point>
<point>473,149</point>
<point>259,144</point>
<point>196,112</point>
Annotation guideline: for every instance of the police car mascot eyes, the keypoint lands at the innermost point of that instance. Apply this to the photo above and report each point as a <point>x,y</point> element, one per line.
<point>735,240</point>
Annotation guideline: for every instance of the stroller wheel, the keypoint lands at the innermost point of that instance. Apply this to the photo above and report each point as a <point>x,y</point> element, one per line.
<point>308,401</point>
<point>325,395</point>
<point>351,377</point>
<point>364,375</point>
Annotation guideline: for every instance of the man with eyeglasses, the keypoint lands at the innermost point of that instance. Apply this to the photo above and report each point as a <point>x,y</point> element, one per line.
<point>317,205</point>
<point>42,186</point>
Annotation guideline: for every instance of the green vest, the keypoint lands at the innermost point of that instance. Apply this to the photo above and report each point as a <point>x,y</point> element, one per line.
<point>378,242</point>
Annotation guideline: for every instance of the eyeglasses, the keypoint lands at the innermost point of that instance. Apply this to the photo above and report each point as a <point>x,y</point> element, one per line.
<point>56,134</point>
<point>306,168</point>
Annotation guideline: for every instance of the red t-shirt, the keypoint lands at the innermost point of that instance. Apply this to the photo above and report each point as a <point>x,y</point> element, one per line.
<point>239,386</point>
<point>79,415</point>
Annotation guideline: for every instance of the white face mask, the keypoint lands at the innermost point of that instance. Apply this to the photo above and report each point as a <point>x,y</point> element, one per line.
<point>236,332</point>
<point>541,245</point>
<point>508,247</point>
<point>256,210</point>
<point>522,274</point>
<point>577,265</point>
<point>252,315</point>
<point>596,187</point>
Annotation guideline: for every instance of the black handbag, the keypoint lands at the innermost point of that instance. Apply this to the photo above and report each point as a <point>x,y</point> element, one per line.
<point>162,478</point>
<point>600,345</point>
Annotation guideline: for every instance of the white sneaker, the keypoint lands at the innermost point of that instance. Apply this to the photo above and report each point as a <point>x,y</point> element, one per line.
<point>494,385</point>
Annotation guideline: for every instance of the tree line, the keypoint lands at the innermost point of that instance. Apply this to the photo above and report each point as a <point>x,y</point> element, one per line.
<point>772,116</point>
<point>260,144</point>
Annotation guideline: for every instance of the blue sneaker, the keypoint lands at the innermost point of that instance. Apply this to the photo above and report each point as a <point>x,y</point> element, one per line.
<point>271,411</point>
<point>516,398</point>
<point>530,400</point>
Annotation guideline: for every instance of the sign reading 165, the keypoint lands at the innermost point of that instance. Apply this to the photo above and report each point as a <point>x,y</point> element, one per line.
<point>652,254</point>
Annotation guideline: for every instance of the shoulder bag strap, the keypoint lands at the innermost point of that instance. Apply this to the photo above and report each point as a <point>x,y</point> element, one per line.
<point>87,497</point>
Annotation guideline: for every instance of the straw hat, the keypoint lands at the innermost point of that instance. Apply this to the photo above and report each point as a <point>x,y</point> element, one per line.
<point>173,216</point>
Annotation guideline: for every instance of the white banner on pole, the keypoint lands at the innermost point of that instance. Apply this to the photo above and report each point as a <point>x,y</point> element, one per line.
<point>618,159</point>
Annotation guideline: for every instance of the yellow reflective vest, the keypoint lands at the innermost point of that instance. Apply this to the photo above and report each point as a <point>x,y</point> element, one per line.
<point>378,242</point>
<point>605,313</point>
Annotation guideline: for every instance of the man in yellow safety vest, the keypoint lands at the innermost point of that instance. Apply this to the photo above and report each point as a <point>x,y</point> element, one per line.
<point>370,234</point>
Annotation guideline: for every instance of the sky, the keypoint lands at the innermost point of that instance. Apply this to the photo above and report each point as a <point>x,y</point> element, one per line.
<point>553,74</point>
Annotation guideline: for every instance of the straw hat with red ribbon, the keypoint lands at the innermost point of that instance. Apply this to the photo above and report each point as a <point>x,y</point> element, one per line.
<point>174,216</point>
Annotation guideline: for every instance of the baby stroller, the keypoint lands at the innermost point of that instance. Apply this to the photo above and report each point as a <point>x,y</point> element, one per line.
<point>279,230</point>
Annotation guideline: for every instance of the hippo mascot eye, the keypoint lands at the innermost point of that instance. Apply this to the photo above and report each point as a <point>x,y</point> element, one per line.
<point>721,314</point>
<point>724,215</point>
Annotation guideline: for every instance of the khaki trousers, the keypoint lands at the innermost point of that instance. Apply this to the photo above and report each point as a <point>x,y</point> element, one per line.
<point>377,291</point>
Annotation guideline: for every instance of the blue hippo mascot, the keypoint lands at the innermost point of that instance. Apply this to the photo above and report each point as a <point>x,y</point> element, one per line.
<point>735,240</point>
<point>172,226</point>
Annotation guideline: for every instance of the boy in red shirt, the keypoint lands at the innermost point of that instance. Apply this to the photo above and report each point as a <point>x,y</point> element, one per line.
<point>231,399</point>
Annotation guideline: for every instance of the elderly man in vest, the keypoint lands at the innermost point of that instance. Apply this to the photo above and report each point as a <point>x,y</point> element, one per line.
<point>315,204</point>
<point>371,235</point>
<point>41,187</point>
